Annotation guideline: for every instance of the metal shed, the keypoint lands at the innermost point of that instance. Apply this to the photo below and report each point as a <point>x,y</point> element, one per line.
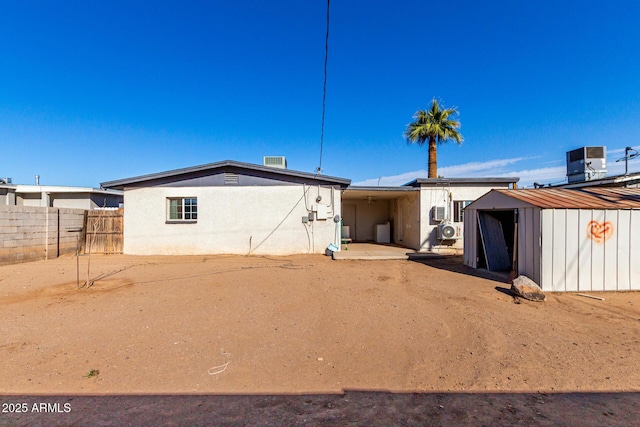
<point>585,239</point>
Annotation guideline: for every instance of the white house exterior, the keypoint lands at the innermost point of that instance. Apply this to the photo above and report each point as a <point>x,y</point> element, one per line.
<point>584,239</point>
<point>416,211</point>
<point>230,208</point>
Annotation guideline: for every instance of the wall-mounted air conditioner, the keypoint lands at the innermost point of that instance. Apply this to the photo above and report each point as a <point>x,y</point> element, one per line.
<point>449,232</point>
<point>439,213</point>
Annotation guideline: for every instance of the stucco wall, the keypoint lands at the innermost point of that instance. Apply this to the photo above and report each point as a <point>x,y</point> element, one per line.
<point>70,201</point>
<point>33,233</point>
<point>406,219</point>
<point>444,196</point>
<point>30,200</point>
<point>231,220</point>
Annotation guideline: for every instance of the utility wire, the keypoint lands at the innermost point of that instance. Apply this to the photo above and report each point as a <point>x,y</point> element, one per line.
<point>324,88</point>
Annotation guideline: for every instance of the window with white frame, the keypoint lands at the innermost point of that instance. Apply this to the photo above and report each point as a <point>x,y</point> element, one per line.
<point>458,206</point>
<point>182,209</point>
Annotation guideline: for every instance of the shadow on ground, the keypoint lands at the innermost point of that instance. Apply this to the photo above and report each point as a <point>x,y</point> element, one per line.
<point>454,263</point>
<point>368,408</point>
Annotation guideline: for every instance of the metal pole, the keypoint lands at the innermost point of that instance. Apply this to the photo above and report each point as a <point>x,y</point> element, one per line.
<point>626,160</point>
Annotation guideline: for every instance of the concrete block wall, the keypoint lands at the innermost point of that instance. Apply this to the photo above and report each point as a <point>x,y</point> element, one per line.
<point>70,229</point>
<point>34,233</point>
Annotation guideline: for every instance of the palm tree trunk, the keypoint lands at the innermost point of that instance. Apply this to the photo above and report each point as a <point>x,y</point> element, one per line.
<point>433,158</point>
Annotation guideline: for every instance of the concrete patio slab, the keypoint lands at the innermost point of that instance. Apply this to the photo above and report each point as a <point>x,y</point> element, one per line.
<point>374,251</point>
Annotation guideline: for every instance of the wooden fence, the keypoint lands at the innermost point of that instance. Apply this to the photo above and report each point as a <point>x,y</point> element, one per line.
<point>103,231</point>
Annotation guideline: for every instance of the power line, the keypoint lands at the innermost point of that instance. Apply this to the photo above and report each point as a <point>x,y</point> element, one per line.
<point>324,88</point>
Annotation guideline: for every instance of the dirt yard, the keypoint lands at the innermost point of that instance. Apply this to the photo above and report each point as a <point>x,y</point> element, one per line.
<point>308,326</point>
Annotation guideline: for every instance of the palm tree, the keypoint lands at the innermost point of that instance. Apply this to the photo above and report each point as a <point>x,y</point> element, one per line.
<point>436,127</point>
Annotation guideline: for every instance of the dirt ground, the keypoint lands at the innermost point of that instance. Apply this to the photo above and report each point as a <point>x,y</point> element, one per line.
<point>306,340</point>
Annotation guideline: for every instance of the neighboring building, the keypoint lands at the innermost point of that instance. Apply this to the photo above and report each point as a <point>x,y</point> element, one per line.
<point>7,192</point>
<point>587,167</point>
<point>425,214</point>
<point>630,180</point>
<point>230,207</point>
<point>585,239</point>
<point>55,196</point>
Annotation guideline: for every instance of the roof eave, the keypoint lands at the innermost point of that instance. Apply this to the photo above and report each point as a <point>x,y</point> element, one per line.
<point>122,183</point>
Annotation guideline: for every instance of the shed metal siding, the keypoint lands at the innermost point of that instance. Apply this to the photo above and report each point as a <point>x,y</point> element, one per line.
<point>624,246</point>
<point>546,255</point>
<point>584,252</point>
<point>634,250</point>
<point>579,256</point>
<point>572,241</point>
<point>611,253</point>
<point>528,244</point>
<point>470,255</point>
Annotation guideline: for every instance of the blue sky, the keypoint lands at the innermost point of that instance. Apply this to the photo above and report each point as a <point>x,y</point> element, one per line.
<point>92,91</point>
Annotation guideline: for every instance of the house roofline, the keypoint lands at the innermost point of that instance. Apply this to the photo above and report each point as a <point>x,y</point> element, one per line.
<point>121,183</point>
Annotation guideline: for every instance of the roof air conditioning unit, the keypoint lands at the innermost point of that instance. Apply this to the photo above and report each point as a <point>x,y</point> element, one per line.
<point>439,213</point>
<point>586,164</point>
<point>275,161</point>
<point>449,232</point>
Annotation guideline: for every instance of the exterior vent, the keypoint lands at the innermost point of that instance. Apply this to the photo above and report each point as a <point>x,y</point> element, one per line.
<point>449,232</point>
<point>230,178</point>
<point>279,162</point>
<point>586,164</point>
<point>439,213</point>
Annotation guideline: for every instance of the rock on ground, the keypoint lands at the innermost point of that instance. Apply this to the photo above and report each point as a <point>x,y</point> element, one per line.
<point>526,288</point>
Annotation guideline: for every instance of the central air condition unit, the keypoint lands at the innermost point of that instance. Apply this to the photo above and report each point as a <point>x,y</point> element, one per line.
<point>275,161</point>
<point>449,232</point>
<point>586,164</point>
<point>439,213</point>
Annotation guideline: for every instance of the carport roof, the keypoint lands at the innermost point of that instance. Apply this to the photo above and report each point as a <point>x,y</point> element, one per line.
<point>583,198</point>
<point>379,193</point>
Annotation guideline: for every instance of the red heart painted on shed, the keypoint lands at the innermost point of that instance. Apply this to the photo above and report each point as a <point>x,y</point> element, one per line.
<point>599,231</point>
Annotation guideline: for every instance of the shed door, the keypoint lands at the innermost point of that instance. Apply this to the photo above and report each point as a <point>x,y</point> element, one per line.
<point>493,243</point>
